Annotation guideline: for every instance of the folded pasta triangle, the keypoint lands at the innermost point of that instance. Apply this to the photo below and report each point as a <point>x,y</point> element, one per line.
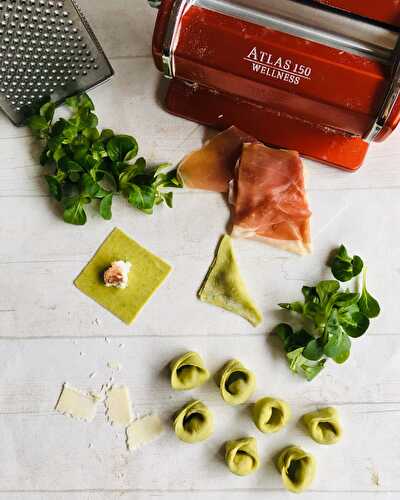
<point>224,286</point>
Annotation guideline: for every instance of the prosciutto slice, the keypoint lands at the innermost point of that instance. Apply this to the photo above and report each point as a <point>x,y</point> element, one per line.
<point>213,166</point>
<point>269,200</point>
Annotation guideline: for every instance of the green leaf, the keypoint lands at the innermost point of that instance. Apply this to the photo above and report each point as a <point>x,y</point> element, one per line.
<point>80,147</point>
<point>108,177</point>
<point>344,267</point>
<point>92,134</point>
<point>285,333</point>
<point>316,313</point>
<point>305,367</point>
<point>87,120</point>
<point>89,187</point>
<point>338,348</point>
<point>314,350</point>
<point>58,128</point>
<point>47,111</point>
<point>122,148</point>
<point>368,305</point>
<point>80,101</point>
<point>297,307</point>
<point>106,134</point>
<point>69,134</point>
<point>44,157</point>
<point>354,323</point>
<point>291,340</point>
<point>337,343</point>
<point>344,355</point>
<point>311,371</point>
<point>105,206</point>
<point>345,299</point>
<point>130,172</point>
<point>74,212</point>
<point>98,150</point>
<point>38,125</point>
<point>58,153</point>
<point>85,102</point>
<point>168,198</point>
<point>332,327</point>
<point>73,102</point>
<point>74,171</point>
<point>358,265</point>
<point>142,198</point>
<point>310,294</point>
<point>327,288</point>
<point>54,185</point>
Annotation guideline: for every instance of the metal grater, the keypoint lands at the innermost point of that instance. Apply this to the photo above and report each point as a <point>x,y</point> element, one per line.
<point>47,49</point>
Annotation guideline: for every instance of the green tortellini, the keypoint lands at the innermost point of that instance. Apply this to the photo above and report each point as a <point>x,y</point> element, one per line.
<point>324,425</point>
<point>241,456</point>
<point>194,422</point>
<point>236,383</point>
<point>297,468</point>
<point>188,372</point>
<point>270,414</point>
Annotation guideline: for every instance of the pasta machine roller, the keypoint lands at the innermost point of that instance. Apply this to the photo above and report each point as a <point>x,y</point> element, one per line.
<point>318,76</point>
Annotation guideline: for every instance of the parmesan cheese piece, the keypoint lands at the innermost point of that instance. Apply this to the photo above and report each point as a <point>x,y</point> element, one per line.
<point>77,404</point>
<point>118,405</point>
<point>114,365</point>
<point>143,431</point>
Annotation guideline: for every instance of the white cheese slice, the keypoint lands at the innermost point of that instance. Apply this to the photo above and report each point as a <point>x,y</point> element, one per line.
<point>118,405</point>
<point>77,404</point>
<point>143,431</point>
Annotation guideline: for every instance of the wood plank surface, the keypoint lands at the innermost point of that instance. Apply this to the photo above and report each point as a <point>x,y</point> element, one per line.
<point>51,333</point>
<point>38,443</point>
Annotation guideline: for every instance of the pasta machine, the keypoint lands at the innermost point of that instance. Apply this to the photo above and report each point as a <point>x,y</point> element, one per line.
<point>318,76</point>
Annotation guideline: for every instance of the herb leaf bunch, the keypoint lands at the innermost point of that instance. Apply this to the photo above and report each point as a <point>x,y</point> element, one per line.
<point>331,318</point>
<point>88,166</point>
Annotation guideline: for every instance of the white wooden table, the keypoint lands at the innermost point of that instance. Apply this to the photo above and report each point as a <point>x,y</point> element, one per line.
<point>51,333</point>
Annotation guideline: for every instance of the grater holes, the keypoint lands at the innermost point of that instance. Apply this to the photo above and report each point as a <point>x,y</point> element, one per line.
<point>43,50</point>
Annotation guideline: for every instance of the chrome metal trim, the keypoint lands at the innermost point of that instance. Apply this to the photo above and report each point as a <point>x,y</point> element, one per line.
<point>312,23</point>
<point>390,100</point>
<point>172,35</point>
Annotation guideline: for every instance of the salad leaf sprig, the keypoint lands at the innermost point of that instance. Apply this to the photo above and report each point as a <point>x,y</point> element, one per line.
<point>90,166</point>
<point>331,318</point>
<point>344,267</point>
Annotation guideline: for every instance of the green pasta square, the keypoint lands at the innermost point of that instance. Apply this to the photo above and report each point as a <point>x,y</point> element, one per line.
<point>146,275</point>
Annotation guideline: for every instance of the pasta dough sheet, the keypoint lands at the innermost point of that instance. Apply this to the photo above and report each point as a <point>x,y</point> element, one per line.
<point>146,275</point>
<point>143,431</point>
<point>118,405</point>
<point>77,404</point>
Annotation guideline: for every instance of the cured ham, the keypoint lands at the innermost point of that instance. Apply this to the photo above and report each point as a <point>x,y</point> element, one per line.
<point>269,200</point>
<point>213,166</point>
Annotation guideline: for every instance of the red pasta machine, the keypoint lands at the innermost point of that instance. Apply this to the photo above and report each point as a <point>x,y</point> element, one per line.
<point>321,77</point>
